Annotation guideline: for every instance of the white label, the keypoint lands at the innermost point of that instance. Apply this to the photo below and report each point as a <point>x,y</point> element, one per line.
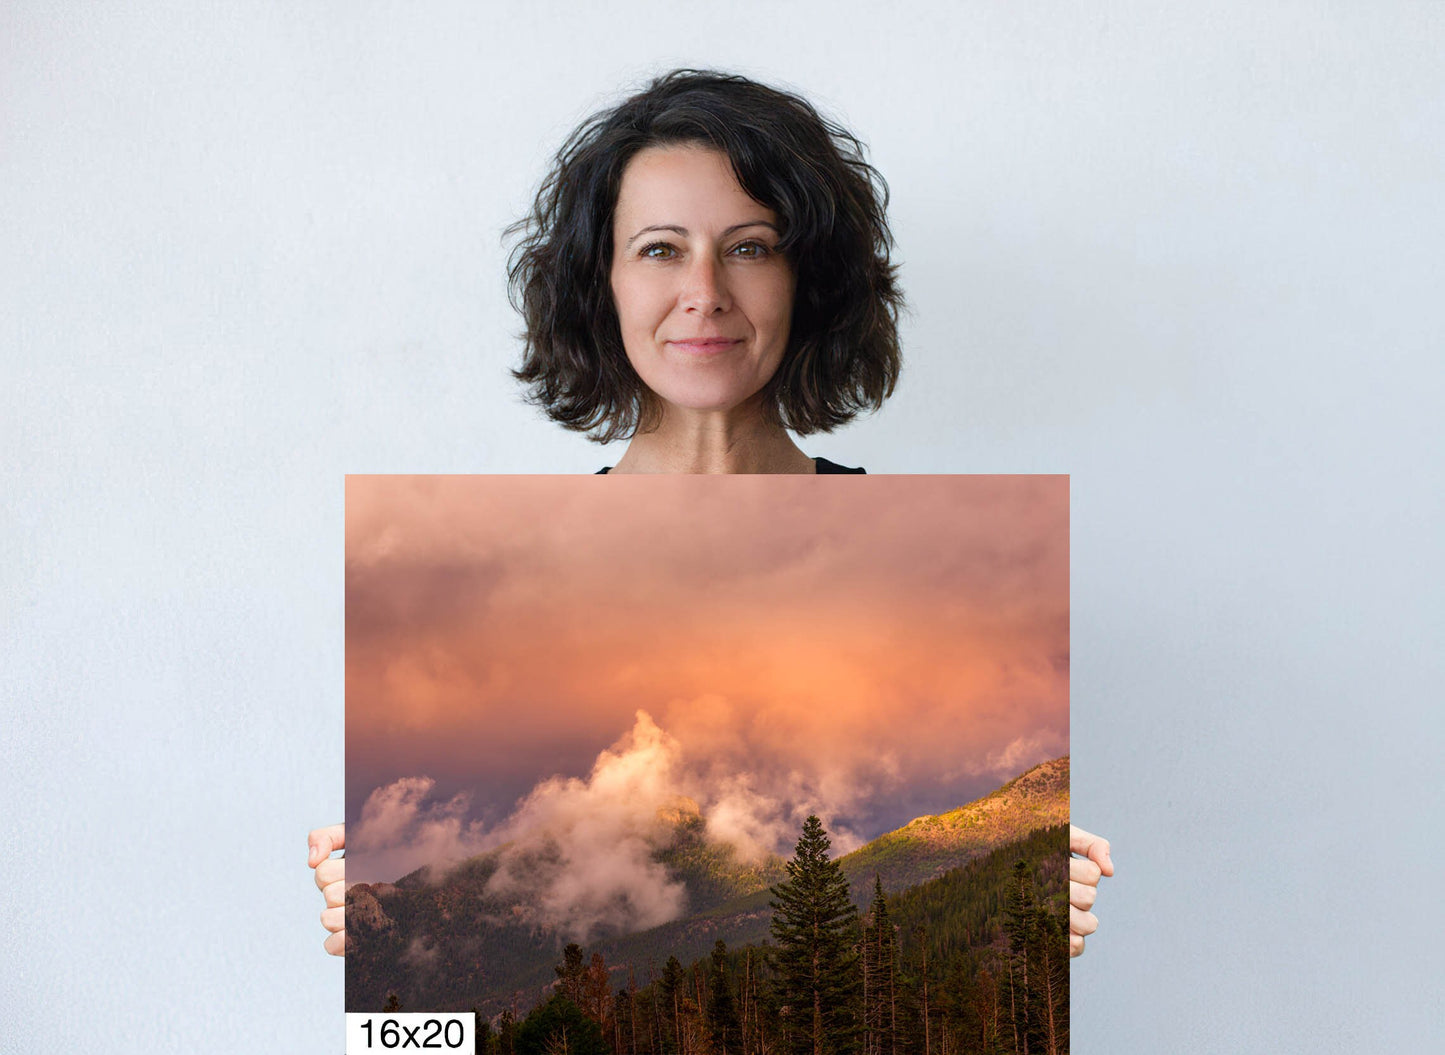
<point>410,1032</point>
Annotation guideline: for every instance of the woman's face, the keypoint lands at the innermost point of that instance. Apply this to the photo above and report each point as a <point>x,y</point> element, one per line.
<point>703,297</point>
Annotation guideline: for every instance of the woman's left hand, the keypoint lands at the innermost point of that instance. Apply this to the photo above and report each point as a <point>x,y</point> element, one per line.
<point>1084,873</point>
<point>331,879</point>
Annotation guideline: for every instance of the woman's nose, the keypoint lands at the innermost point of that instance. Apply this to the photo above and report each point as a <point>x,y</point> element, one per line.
<point>704,287</point>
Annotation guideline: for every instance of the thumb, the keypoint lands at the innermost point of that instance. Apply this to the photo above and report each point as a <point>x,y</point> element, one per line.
<point>1094,847</point>
<point>322,841</point>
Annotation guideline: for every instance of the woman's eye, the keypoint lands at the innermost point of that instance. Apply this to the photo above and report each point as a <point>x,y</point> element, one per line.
<point>751,250</point>
<point>658,251</point>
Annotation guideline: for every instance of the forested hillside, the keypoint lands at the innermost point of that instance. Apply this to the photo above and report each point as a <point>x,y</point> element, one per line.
<point>955,936</point>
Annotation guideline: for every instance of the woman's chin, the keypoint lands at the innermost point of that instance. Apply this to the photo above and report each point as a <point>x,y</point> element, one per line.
<point>708,395</point>
<point>702,403</point>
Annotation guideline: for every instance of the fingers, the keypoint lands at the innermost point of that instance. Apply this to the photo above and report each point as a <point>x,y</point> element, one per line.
<point>1082,870</point>
<point>334,894</point>
<point>1082,923</point>
<point>1084,874</point>
<point>1094,847</point>
<point>331,880</point>
<point>331,870</point>
<point>322,842</point>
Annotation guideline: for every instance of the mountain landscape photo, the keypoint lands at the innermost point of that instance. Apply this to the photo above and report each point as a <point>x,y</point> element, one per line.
<point>711,767</point>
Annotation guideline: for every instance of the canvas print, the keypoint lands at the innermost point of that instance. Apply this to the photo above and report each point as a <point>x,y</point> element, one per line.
<point>686,765</point>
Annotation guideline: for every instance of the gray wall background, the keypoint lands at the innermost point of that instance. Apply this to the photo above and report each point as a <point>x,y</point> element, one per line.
<point>1189,254</point>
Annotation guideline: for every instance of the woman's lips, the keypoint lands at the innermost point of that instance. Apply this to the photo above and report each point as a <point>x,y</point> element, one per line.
<point>705,345</point>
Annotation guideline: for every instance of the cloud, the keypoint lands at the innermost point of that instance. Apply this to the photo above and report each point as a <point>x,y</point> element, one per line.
<point>1020,754</point>
<point>400,830</point>
<point>582,850</point>
<point>579,855</point>
<point>868,653</point>
<point>420,955</point>
<point>755,823</point>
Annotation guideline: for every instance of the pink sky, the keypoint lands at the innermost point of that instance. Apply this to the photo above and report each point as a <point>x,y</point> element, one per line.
<point>876,645</point>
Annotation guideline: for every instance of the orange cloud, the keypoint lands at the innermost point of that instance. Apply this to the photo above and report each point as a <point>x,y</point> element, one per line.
<point>856,642</point>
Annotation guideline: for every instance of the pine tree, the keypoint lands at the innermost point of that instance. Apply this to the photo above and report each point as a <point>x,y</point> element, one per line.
<point>880,978</point>
<point>560,1027</point>
<point>815,924</point>
<point>622,1021</point>
<point>724,1030</point>
<point>507,1033</point>
<point>920,933</point>
<point>628,998</point>
<point>984,1010</point>
<point>572,973</point>
<point>1052,972</point>
<point>1026,995</point>
<point>597,991</point>
<point>673,993</point>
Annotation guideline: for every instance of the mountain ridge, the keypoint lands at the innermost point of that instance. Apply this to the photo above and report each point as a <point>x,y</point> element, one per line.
<point>409,929</point>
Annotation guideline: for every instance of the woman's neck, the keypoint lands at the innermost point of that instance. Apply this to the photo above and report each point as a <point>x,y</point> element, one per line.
<point>713,443</point>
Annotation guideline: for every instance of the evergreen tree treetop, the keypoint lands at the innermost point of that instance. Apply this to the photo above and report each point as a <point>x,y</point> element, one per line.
<point>815,897</point>
<point>815,924</point>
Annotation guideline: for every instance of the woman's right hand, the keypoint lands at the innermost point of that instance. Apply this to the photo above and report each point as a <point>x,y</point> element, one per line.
<point>1085,869</point>
<point>331,878</point>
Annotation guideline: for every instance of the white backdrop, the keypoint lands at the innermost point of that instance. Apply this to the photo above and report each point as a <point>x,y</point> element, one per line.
<point>1189,254</point>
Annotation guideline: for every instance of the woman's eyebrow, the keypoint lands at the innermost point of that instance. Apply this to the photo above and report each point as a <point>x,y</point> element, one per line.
<point>675,229</point>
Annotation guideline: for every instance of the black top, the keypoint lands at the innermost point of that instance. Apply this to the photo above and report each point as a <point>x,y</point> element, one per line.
<point>820,466</point>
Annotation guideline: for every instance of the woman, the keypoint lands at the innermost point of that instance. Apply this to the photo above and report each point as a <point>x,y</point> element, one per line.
<point>706,269</point>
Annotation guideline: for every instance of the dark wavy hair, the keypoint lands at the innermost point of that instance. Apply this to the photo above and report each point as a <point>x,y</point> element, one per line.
<point>842,355</point>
